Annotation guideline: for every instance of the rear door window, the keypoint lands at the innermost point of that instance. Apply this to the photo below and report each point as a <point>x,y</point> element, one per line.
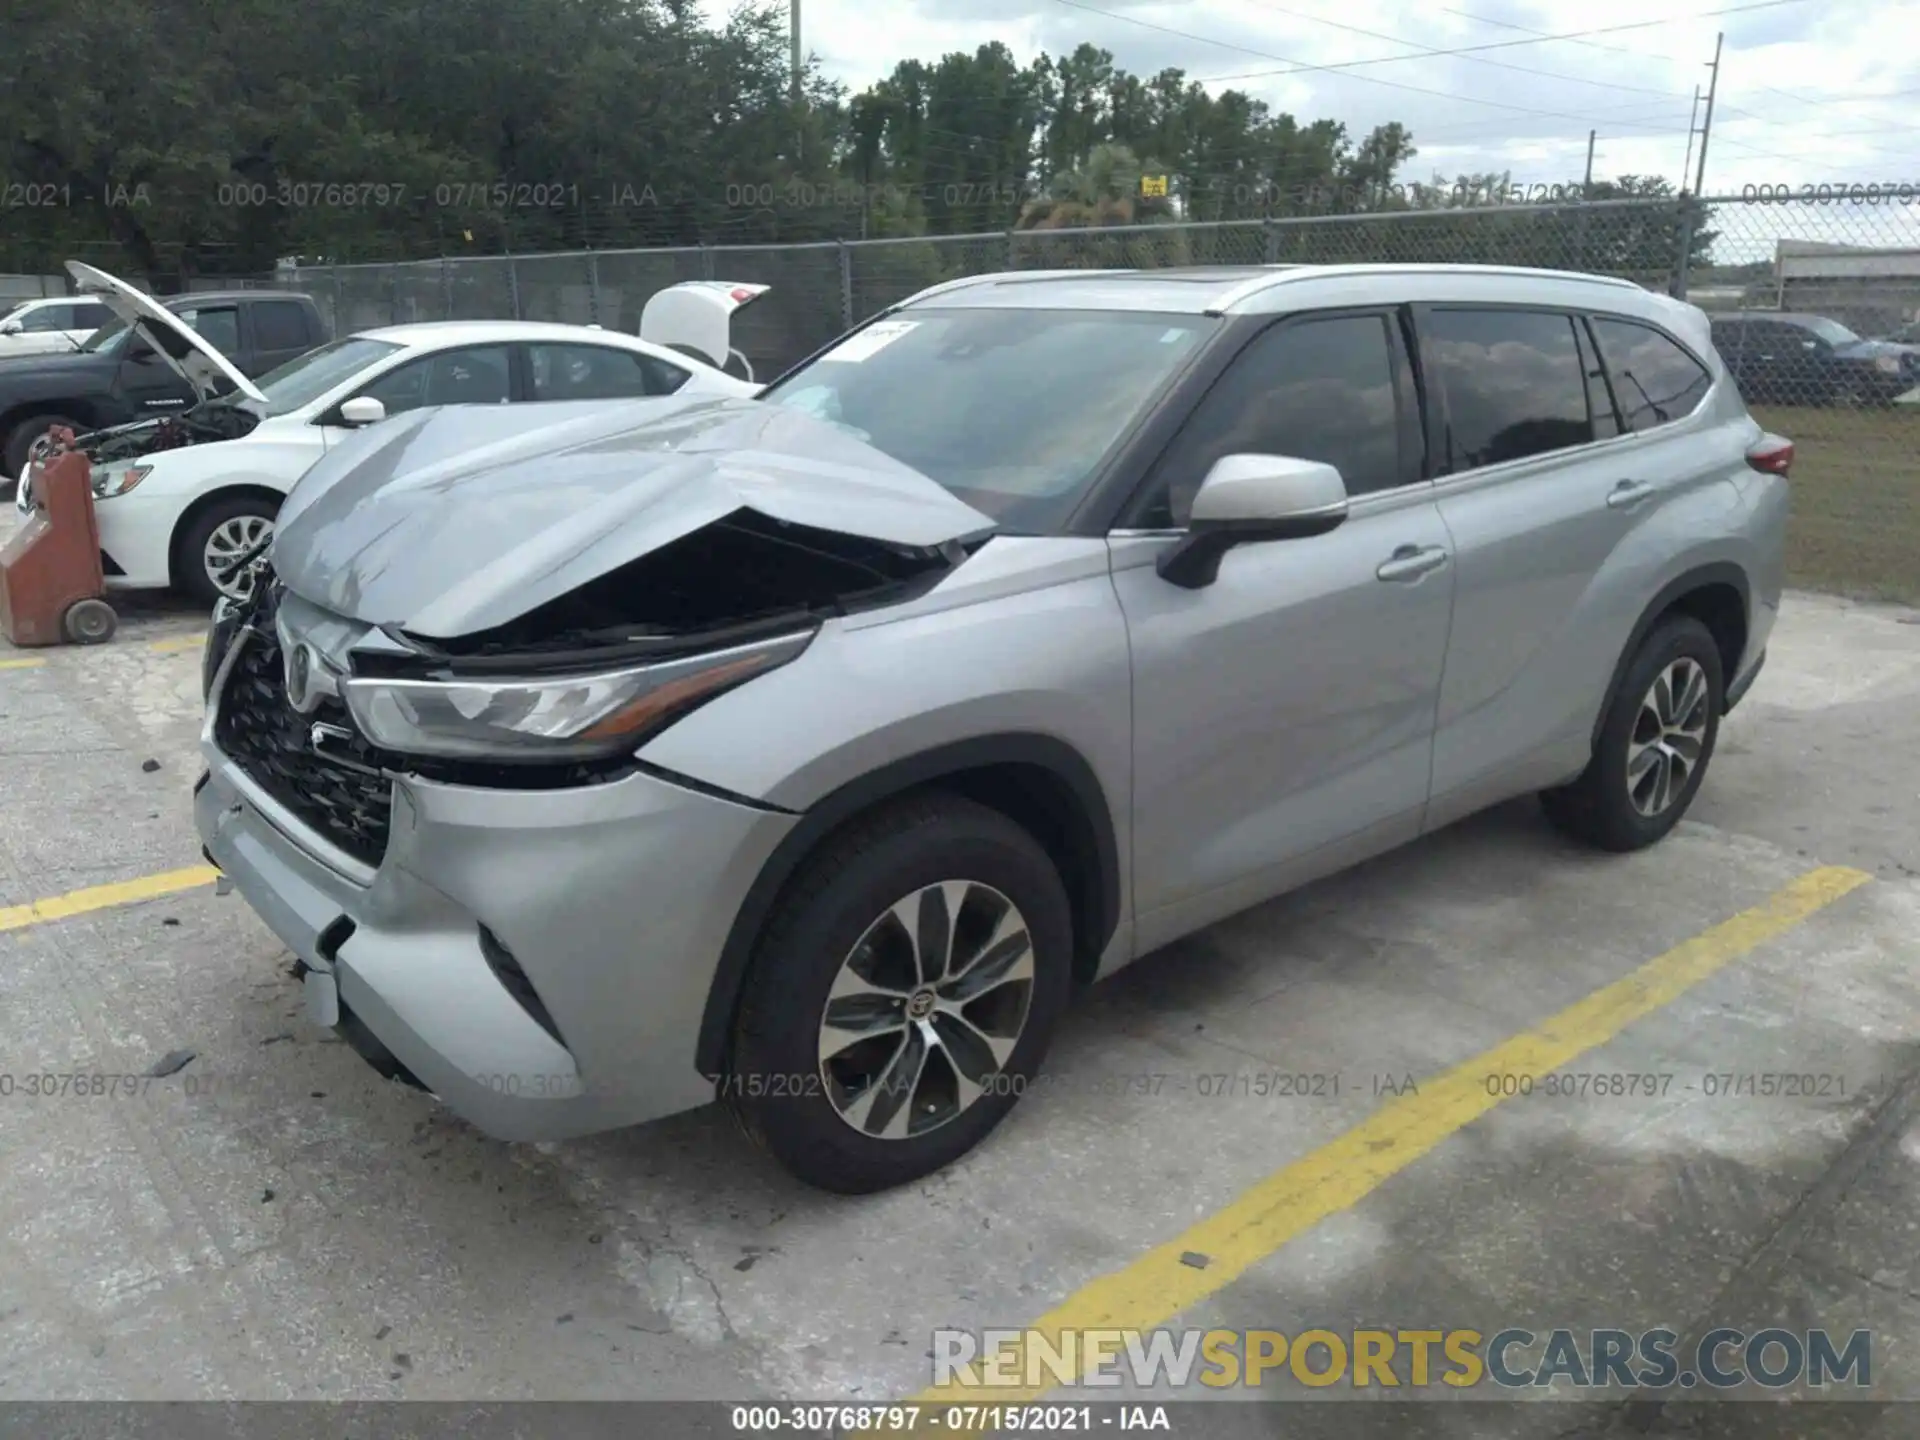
<point>279,325</point>
<point>1510,382</point>
<point>599,372</point>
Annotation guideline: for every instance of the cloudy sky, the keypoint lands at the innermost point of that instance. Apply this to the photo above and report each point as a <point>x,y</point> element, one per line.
<point>1796,102</point>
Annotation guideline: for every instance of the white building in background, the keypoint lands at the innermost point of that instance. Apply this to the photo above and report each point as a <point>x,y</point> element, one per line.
<point>1871,289</point>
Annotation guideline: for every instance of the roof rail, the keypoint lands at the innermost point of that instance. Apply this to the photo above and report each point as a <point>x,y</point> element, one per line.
<point>1283,273</point>
<point>947,287</point>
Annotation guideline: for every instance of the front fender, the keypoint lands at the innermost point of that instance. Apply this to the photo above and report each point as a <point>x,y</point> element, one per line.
<point>988,652</point>
<point>199,470</point>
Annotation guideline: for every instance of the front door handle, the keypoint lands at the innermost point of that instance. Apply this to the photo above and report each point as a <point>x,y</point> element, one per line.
<point>1629,493</point>
<point>1410,562</point>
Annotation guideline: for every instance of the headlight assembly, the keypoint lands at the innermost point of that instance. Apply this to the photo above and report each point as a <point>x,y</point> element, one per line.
<point>559,718</point>
<point>109,483</point>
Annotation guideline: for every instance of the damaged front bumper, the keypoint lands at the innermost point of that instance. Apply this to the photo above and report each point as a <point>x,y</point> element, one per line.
<point>539,960</point>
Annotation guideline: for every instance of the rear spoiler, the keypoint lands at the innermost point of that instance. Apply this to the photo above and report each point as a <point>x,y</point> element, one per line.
<point>696,316</point>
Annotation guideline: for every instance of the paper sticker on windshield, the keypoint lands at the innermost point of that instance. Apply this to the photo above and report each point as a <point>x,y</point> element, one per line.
<point>870,341</point>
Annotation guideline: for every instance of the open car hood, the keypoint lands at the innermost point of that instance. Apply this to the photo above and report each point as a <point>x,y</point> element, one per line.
<point>179,344</point>
<point>451,522</point>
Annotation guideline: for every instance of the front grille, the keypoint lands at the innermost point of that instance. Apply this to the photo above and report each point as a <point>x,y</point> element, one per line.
<point>268,739</point>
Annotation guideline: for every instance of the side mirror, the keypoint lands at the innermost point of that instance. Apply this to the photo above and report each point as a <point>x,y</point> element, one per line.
<point>11,327</point>
<point>1250,498</point>
<point>362,410</point>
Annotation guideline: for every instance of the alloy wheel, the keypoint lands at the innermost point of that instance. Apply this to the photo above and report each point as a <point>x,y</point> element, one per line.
<point>225,547</point>
<point>1669,737</point>
<point>926,1009</point>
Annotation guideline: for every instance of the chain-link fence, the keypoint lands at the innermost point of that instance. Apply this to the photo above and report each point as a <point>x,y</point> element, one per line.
<point>821,289</point>
<point>1815,298</point>
<point>1821,329</point>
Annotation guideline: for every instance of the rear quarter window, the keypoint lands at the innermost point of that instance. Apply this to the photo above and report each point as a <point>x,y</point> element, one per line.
<point>1655,381</point>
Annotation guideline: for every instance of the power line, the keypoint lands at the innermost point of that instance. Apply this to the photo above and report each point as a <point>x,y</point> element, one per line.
<point>1537,39</point>
<point>1299,69</point>
<point>1472,59</point>
<point>1576,38</point>
<point>1572,39</point>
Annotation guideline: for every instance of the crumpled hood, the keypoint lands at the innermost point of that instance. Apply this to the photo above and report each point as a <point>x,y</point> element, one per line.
<point>450,521</point>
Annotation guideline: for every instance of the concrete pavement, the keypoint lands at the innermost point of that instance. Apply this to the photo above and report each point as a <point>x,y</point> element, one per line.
<point>274,1222</point>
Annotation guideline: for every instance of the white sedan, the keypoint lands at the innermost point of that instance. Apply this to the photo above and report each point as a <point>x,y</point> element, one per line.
<point>182,500</point>
<point>53,326</point>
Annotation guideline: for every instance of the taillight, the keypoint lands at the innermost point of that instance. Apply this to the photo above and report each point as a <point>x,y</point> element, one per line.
<point>1771,454</point>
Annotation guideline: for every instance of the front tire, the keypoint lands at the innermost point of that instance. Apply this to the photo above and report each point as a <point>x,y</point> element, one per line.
<point>902,996</point>
<point>207,547</point>
<point>1654,744</point>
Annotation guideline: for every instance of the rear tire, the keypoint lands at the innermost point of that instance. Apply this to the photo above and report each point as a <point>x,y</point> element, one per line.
<point>1661,726</point>
<point>927,1082</point>
<point>230,520</point>
<point>20,438</point>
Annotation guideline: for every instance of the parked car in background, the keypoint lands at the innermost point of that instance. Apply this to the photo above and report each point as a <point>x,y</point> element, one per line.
<point>1908,334</point>
<point>808,751</point>
<point>1788,359</point>
<point>181,499</point>
<point>55,326</point>
<point>118,375</point>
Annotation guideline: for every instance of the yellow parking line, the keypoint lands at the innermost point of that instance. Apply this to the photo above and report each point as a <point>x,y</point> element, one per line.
<point>26,664</point>
<point>1159,1285</point>
<point>102,897</point>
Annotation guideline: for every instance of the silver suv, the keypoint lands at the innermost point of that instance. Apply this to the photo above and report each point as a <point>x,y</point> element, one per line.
<point>809,750</point>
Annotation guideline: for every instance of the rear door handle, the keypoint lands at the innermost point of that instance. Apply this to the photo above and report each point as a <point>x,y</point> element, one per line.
<point>1410,562</point>
<point>1629,493</point>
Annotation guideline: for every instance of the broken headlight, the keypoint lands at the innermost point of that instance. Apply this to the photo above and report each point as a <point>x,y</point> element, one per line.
<point>553,718</point>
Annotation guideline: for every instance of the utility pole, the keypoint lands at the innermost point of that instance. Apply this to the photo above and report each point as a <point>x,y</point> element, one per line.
<point>1586,186</point>
<point>1693,129</point>
<point>793,40</point>
<point>1706,124</point>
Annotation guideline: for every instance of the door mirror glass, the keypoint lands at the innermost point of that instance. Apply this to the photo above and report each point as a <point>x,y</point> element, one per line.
<point>362,410</point>
<point>1250,498</point>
